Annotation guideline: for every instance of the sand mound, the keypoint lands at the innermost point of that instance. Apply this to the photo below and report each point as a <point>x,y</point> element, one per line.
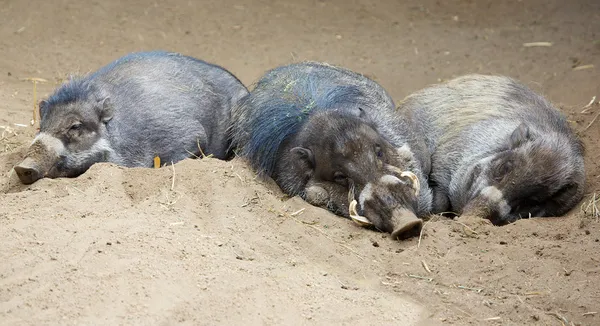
<point>214,245</point>
<point>119,246</point>
<point>205,240</point>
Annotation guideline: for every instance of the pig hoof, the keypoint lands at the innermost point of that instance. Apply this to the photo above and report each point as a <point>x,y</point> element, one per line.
<point>406,227</point>
<point>360,220</point>
<point>316,196</point>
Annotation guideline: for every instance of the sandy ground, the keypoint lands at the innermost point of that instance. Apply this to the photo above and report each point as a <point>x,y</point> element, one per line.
<point>208,243</point>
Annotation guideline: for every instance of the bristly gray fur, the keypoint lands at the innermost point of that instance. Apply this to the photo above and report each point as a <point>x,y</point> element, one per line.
<point>165,104</point>
<point>467,123</point>
<point>283,100</point>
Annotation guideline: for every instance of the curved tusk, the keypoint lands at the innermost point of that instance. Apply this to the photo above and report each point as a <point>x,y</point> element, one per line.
<point>351,194</point>
<point>393,169</point>
<point>360,220</point>
<point>415,181</point>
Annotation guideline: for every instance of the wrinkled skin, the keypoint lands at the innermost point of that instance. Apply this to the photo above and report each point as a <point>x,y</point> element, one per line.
<point>347,156</point>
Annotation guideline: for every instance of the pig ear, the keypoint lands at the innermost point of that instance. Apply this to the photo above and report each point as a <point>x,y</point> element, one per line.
<point>361,112</point>
<point>304,154</point>
<point>105,109</point>
<point>43,106</point>
<point>519,136</point>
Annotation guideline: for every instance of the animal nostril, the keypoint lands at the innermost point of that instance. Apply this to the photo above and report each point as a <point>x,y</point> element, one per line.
<point>27,175</point>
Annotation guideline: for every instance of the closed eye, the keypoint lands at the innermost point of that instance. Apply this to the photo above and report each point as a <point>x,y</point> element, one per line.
<point>340,178</point>
<point>378,151</point>
<point>75,126</point>
<point>502,170</point>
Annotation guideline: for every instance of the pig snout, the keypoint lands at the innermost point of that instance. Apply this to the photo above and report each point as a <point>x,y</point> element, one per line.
<point>28,171</point>
<point>43,154</point>
<point>489,204</point>
<point>406,224</point>
<point>316,195</point>
<point>387,206</point>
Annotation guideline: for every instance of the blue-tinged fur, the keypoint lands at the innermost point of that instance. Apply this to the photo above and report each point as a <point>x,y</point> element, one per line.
<point>293,102</point>
<point>141,105</point>
<point>285,116</point>
<point>286,96</point>
<point>76,89</point>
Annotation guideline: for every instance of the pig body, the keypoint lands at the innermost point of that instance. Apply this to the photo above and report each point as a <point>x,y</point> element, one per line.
<point>140,106</point>
<point>497,149</point>
<point>331,136</point>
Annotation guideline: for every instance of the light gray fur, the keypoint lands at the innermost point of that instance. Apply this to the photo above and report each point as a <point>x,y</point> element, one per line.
<point>166,105</point>
<point>140,106</point>
<point>468,120</point>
